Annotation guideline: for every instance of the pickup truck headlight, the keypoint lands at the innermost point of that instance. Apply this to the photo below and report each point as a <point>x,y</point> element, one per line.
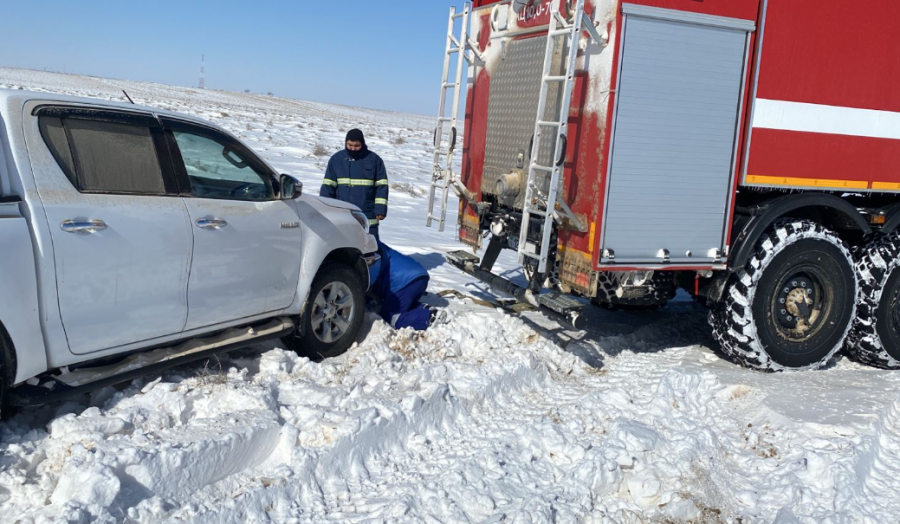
<point>362,219</point>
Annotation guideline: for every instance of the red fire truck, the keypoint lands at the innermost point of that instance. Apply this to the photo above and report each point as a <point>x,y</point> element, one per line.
<point>747,151</point>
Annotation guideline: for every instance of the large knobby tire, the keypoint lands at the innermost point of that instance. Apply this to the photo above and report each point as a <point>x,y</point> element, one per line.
<point>333,314</point>
<point>875,336</point>
<point>792,306</point>
<point>660,289</point>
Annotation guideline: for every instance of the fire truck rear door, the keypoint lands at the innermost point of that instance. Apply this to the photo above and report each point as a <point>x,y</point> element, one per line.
<point>681,81</point>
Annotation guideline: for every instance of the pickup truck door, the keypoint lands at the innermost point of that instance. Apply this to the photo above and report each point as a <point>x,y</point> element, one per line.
<point>246,258</point>
<point>121,234</point>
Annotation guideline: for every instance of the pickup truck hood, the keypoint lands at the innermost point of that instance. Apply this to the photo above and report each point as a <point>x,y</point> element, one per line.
<point>339,204</point>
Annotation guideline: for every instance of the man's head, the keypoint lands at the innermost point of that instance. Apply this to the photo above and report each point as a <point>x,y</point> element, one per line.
<point>355,143</point>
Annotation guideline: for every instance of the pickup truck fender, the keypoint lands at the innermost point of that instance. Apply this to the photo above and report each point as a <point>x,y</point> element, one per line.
<point>327,232</point>
<point>19,313</point>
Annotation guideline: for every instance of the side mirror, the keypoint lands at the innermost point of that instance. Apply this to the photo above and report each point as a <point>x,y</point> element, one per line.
<point>291,188</point>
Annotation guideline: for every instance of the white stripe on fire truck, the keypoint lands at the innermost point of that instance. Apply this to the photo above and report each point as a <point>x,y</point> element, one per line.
<point>832,120</point>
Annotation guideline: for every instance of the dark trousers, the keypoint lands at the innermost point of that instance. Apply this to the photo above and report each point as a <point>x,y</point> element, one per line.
<point>373,230</point>
<point>402,309</point>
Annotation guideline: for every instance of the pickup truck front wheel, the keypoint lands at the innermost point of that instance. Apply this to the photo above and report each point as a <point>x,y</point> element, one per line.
<point>6,371</point>
<point>333,315</point>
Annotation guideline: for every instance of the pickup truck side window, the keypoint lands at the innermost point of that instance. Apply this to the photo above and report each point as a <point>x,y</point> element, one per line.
<point>55,136</point>
<point>219,167</point>
<point>104,156</point>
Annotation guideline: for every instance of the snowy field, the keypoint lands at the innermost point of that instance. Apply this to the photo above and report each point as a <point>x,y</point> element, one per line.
<point>489,418</point>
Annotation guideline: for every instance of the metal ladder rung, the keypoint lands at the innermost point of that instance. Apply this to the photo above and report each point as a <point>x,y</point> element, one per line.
<point>456,46</point>
<point>569,36</point>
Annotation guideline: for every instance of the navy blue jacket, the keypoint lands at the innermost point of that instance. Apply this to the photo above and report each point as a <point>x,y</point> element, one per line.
<point>394,272</point>
<point>361,182</point>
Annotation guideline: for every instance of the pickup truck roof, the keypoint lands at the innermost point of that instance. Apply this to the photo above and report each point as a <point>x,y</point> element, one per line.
<point>12,103</point>
<point>13,100</point>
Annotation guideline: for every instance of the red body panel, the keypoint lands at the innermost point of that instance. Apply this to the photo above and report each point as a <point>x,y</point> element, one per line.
<point>817,157</point>
<point>818,53</point>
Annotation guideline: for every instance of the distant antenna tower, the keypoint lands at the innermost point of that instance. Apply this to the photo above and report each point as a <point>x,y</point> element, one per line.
<point>202,83</point>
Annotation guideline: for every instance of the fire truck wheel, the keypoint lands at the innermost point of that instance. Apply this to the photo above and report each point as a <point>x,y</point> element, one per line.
<point>658,291</point>
<point>875,336</point>
<point>792,306</point>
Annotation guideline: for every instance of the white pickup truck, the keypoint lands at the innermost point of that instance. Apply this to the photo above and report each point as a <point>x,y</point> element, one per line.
<point>129,230</point>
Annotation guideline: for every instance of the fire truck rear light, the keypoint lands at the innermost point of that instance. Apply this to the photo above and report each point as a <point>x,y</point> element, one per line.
<point>583,279</point>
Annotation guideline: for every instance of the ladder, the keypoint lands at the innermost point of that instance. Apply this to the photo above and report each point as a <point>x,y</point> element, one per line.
<point>549,206</point>
<point>442,177</point>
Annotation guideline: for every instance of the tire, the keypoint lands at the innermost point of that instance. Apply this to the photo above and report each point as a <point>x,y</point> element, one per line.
<point>875,336</point>
<point>792,306</point>
<point>324,335</point>
<point>6,372</point>
<point>660,289</point>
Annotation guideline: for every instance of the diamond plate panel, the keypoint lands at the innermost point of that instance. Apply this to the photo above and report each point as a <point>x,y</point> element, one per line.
<point>512,106</point>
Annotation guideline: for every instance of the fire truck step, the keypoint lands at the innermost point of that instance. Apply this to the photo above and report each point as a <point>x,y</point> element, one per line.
<point>561,303</point>
<point>561,309</point>
<point>461,258</point>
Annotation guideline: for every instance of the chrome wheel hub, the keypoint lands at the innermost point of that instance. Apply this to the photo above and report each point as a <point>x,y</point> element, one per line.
<point>332,312</point>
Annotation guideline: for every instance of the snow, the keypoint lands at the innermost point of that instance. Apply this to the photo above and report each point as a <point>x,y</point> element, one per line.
<point>488,418</point>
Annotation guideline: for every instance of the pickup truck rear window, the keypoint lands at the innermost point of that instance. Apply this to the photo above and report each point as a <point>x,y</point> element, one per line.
<point>101,156</point>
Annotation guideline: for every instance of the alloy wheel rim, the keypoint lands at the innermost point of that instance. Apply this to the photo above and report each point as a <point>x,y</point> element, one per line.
<point>332,312</point>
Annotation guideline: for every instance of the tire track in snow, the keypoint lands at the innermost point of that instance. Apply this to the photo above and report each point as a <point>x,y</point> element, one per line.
<point>868,485</point>
<point>504,446</point>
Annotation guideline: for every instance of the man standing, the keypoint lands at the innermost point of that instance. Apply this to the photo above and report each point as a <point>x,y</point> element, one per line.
<point>357,176</point>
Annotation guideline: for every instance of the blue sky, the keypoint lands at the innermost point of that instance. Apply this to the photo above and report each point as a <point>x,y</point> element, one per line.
<point>380,54</point>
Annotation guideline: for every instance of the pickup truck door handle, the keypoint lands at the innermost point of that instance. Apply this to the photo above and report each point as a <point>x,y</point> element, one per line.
<point>211,223</point>
<point>82,226</point>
